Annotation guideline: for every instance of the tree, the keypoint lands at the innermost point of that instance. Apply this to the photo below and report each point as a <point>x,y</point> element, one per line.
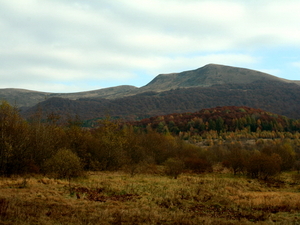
<point>13,141</point>
<point>212,125</point>
<point>158,146</point>
<point>109,151</point>
<point>136,157</point>
<point>219,124</point>
<point>80,142</point>
<point>45,139</point>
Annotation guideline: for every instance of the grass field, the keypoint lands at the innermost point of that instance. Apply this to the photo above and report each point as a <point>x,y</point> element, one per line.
<point>118,198</point>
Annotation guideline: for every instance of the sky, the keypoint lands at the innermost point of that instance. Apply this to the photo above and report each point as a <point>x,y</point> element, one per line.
<point>80,45</point>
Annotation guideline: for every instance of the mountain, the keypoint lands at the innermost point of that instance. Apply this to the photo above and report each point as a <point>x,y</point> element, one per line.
<point>206,76</point>
<point>272,96</point>
<point>22,97</point>
<point>209,86</point>
<point>297,82</point>
<point>28,98</point>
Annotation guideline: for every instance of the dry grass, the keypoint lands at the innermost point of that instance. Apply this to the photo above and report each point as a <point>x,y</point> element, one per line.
<point>118,198</point>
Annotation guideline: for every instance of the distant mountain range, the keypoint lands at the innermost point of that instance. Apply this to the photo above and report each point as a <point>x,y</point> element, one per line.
<point>209,86</point>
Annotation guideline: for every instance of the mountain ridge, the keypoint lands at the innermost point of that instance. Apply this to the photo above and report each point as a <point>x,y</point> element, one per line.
<point>28,98</point>
<point>273,96</point>
<point>205,76</point>
<point>211,82</point>
<point>209,75</point>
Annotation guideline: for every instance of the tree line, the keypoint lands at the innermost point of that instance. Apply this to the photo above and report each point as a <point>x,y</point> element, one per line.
<point>46,147</point>
<point>221,119</point>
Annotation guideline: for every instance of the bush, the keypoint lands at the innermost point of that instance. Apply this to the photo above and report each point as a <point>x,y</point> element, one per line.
<point>236,160</point>
<point>234,157</point>
<point>173,167</point>
<point>285,151</point>
<point>198,165</point>
<point>64,164</point>
<point>263,166</point>
<point>297,166</point>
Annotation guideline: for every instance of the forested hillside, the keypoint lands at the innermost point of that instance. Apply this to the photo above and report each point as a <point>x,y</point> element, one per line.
<point>221,119</point>
<point>275,97</point>
<point>189,91</point>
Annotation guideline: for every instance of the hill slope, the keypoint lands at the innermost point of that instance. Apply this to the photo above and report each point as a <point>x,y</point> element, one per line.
<point>226,118</point>
<point>206,76</point>
<point>275,97</point>
<point>28,98</point>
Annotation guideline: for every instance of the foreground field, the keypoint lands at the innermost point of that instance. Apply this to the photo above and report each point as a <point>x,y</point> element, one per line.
<point>117,198</point>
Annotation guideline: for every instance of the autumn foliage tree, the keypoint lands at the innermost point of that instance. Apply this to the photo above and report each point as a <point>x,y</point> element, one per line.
<point>136,156</point>
<point>109,140</point>
<point>14,157</point>
<point>44,141</point>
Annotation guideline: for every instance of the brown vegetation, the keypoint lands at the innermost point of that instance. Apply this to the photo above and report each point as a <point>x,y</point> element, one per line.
<point>220,119</point>
<point>117,198</point>
<point>221,175</point>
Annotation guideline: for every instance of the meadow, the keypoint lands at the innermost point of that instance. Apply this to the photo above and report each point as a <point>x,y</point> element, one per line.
<point>150,198</point>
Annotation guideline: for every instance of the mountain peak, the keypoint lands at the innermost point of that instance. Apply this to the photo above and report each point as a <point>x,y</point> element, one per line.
<point>208,75</point>
<point>213,65</point>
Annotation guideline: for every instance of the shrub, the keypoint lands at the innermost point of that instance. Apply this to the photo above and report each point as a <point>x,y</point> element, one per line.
<point>236,160</point>
<point>263,166</point>
<point>198,165</point>
<point>285,151</point>
<point>173,167</point>
<point>64,164</point>
<point>297,166</point>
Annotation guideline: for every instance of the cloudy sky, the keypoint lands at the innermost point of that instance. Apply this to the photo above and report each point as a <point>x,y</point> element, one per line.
<point>79,45</point>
